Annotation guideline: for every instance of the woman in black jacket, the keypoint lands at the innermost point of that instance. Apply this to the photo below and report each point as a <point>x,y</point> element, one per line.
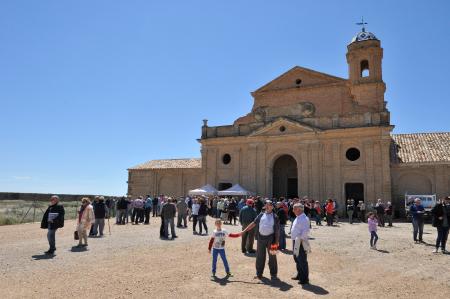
<point>202,213</point>
<point>52,220</point>
<point>441,220</point>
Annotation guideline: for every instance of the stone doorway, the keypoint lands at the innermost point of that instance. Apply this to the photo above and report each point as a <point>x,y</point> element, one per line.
<point>355,191</point>
<point>285,178</point>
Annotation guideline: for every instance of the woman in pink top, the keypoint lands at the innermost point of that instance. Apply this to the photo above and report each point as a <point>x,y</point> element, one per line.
<point>373,223</point>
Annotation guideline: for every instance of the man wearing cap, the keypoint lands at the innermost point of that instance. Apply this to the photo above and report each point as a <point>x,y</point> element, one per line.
<point>246,216</point>
<point>268,234</point>
<point>52,220</point>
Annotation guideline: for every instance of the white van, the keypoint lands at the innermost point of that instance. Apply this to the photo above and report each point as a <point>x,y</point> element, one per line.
<point>427,201</point>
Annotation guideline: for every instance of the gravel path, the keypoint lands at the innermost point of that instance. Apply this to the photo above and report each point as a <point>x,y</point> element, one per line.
<point>133,262</point>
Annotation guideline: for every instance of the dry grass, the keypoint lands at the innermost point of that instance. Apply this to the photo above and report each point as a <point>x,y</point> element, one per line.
<point>17,211</point>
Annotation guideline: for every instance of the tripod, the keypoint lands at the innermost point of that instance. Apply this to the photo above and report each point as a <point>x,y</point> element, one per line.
<point>33,206</point>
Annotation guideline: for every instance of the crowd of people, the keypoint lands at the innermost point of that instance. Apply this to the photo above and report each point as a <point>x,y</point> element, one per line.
<point>261,219</point>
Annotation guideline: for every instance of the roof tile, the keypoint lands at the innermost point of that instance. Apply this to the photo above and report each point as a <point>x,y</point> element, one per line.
<point>420,148</point>
<point>169,164</point>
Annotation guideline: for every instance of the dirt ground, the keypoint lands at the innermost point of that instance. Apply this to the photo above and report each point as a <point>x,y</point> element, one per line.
<point>134,263</point>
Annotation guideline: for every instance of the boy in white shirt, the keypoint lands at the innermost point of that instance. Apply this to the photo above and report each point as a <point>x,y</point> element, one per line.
<point>217,243</point>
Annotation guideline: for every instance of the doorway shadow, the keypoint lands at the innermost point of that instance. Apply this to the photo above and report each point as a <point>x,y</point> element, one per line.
<point>317,290</point>
<point>38,257</point>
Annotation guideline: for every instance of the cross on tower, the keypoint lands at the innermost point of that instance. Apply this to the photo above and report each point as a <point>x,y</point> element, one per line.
<point>362,23</point>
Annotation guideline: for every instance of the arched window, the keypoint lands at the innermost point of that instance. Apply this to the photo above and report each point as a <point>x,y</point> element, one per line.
<point>364,69</point>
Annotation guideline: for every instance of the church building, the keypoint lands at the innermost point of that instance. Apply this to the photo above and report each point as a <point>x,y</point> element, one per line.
<point>312,134</point>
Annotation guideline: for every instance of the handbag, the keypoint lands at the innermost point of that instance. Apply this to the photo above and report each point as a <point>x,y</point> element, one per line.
<point>75,235</point>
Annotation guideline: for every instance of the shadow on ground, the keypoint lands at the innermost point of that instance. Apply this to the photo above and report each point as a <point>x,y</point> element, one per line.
<point>315,289</point>
<point>287,252</point>
<point>78,249</point>
<point>43,257</point>
<point>275,283</point>
<point>226,280</point>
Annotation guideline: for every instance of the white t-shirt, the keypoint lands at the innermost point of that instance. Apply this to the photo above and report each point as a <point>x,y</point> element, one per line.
<point>195,208</point>
<point>266,224</point>
<point>219,238</point>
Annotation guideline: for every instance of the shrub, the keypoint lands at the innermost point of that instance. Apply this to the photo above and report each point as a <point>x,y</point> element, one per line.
<point>8,220</point>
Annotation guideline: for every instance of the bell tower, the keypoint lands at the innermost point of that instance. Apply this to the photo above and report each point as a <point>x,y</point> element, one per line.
<point>364,56</point>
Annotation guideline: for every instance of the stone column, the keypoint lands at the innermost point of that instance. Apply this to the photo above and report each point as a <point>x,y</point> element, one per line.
<point>237,166</point>
<point>314,171</point>
<point>303,171</point>
<point>337,186</point>
<point>204,155</point>
<point>260,169</point>
<point>252,155</point>
<point>377,162</point>
<point>386,166</point>
<point>369,186</point>
<point>269,180</point>
<point>328,169</point>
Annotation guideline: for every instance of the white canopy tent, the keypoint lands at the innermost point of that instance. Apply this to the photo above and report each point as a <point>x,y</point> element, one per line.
<point>205,190</point>
<point>236,190</point>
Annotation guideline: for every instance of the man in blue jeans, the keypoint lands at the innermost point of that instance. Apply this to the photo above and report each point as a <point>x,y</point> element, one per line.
<point>52,220</point>
<point>417,211</point>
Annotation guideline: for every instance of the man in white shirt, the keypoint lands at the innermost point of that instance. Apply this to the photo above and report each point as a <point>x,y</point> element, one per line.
<point>268,235</point>
<point>195,209</point>
<point>299,233</point>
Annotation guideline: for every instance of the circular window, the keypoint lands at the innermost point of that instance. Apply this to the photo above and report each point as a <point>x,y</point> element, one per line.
<point>282,128</point>
<point>353,154</point>
<point>298,81</point>
<point>226,159</point>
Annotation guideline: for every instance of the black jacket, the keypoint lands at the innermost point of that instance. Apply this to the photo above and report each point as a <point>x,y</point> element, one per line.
<point>203,210</point>
<point>122,204</point>
<point>58,222</point>
<point>438,211</point>
<point>99,209</point>
<point>168,210</point>
<point>282,216</point>
<point>232,206</point>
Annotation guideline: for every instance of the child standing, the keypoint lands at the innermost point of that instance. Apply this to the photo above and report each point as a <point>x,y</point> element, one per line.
<point>217,243</point>
<point>373,223</point>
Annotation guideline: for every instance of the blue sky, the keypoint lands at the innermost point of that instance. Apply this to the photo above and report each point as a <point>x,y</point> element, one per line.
<point>90,88</point>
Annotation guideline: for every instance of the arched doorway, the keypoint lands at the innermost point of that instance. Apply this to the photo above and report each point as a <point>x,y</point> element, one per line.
<point>285,178</point>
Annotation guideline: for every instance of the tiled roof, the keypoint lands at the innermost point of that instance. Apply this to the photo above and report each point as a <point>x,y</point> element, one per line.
<point>420,148</point>
<point>169,164</point>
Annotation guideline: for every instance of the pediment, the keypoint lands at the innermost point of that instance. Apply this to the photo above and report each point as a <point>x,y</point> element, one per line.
<point>284,126</point>
<point>308,78</point>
